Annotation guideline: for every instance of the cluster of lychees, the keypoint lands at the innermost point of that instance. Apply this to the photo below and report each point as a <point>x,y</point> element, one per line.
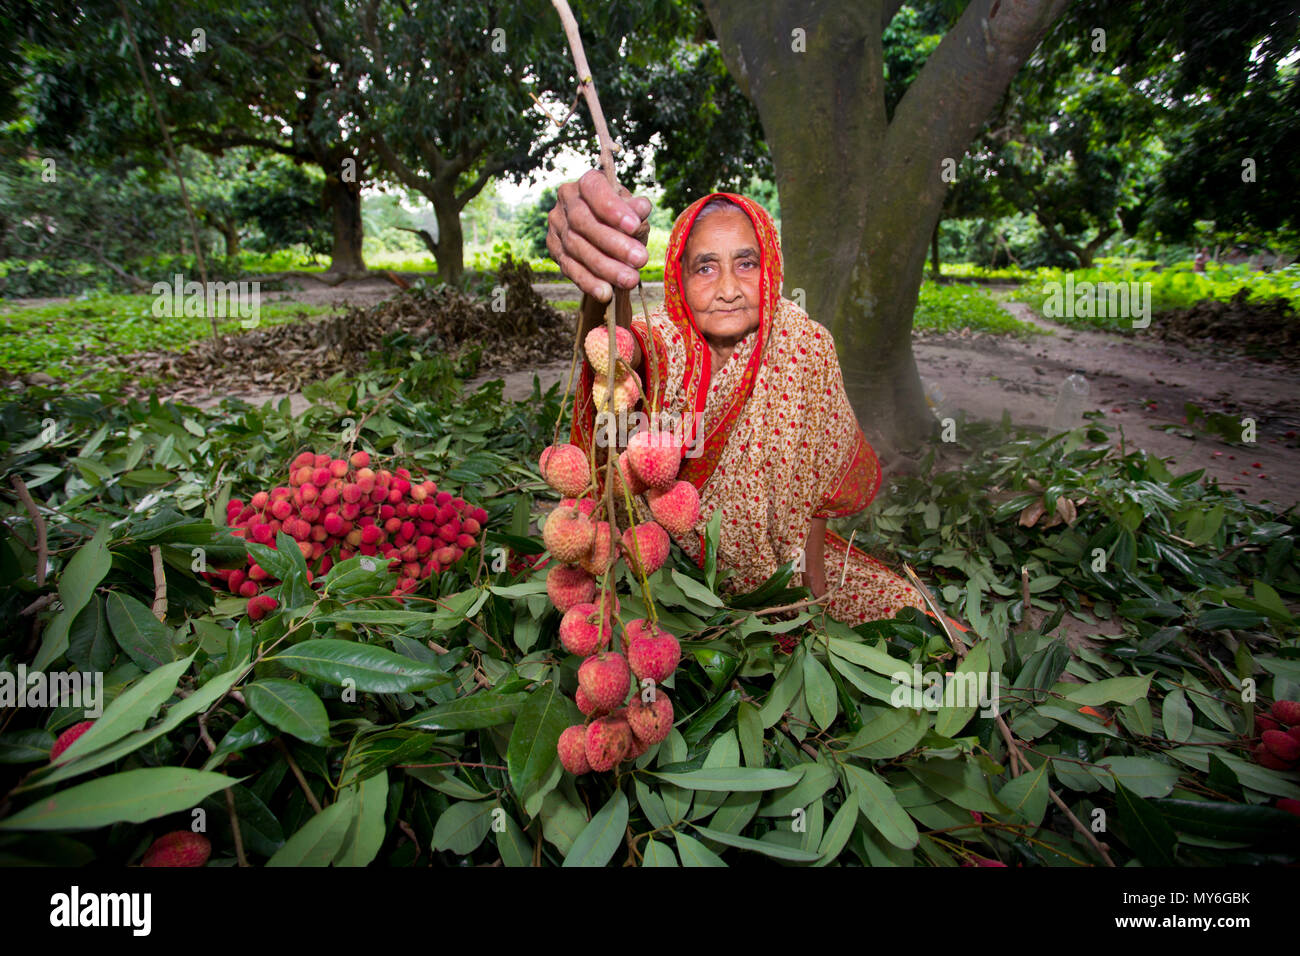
<point>335,509</point>
<point>1279,740</point>
<point>618,729</point>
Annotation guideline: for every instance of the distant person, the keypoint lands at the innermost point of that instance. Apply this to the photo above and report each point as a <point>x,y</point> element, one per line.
<point>1198,264</point>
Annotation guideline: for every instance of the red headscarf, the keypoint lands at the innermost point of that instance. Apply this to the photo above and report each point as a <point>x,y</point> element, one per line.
<point>695,383</point>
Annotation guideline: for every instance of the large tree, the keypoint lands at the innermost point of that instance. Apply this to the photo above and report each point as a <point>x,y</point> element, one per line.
<point>862,187</point>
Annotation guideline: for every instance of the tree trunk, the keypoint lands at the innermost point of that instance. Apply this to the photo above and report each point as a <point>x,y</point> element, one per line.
<point>230,232</point>
<point>450,250</point>
<point>344,200</point>
<point>861,194</point>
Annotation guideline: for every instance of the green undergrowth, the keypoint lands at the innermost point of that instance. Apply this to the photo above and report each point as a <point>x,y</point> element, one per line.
<point>426,730</point>
<point>69,340</point>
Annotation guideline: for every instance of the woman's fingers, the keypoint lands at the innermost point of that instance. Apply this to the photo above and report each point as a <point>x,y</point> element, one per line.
<point>593,234</point>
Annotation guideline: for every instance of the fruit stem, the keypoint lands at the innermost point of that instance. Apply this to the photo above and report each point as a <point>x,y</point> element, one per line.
<point>639,570</point>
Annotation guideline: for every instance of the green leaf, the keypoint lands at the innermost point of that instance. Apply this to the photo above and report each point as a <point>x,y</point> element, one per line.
<point>602,836</point>
<point>130,710</point>
<point>1147,833</point>
<point>144,638</point>
<point>77,584</point>
<point>291,707</point>
<point>531,752</point>
<point>872,658</point>
<point>463,826</point>
<point>1238,822</point>
<point>819,692</point>
<point>1145,776</point>
<point>749,728</point>
<point>817,779</point>
<point>656,853</point>
<point>774,850</point>
<point>372,669</point>
<point>888,732</point>
<point>1027,794</point>
<point>881,808</point>
<point>1176,716</point>
<point>320,838</point>
<point>484,709</point>
<point>133,796</point>
<point>695,853</point>
<point>964,688</point>
<point>366,832</point>
<point>837,835</point>
<point>1120,690</point>
<point>784,689</point>
<point>26,746</point>
<point>695,590</point>
<point>512,844</point>
<point>652,805</point>
<point>732,778</point>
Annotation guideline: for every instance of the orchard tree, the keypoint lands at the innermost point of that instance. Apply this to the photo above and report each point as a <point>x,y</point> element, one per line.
<point>862,186</point>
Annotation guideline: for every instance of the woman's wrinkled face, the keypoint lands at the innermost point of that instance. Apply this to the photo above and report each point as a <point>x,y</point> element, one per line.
<point>720,275</point>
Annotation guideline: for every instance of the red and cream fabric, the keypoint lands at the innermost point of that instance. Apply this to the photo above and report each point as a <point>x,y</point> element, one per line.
<point>772,441</point>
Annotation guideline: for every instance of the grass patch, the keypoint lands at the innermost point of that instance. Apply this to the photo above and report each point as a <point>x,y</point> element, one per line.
<point>950,308</point>
<point>70,339</point>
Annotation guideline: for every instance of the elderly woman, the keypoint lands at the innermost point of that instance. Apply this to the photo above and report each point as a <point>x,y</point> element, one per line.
<point>773,442</point>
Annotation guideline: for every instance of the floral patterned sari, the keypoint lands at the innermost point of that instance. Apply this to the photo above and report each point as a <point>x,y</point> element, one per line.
<point>771,439</point>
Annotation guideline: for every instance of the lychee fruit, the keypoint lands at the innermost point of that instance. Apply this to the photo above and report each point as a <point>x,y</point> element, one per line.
<point>572,747</point>
<point>1290,805</point>
<point>1265,758</point>
<point>654,657</point>
<point>568,534</point>
<point>656,457</point>
<point>567,585</point>
<point>580,632</point>
<point>1281,745</point>
<point>179,848</point>
<point>603,554</point>
<point>677,509</point>
<point>587,705</point>
<point>627,392</point>
<point>608,741</point>
<point>651,721</point>
<point>606,679</point>
<point>261,605</point>
<point>1263,723</point>
<point>565,468</point>
<point>596,345</point>
<point>627,478</point>
<point>1286,711</point>
<point>68,738</point>
<point>652,544</point>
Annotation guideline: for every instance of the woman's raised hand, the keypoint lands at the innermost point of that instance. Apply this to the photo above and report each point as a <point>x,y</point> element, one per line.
<point>597,234</point>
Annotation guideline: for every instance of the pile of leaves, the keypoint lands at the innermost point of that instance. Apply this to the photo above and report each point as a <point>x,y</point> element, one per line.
<point>347,729</point>
<point>507,326</point>
<point>1263,328</point>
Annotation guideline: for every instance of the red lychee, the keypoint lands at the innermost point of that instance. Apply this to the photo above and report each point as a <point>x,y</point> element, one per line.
<point>655,457</point>
<point>627,392</point>
<point>179,848</point>
<point>596,345</point>
<point>608,741</point>
<point>572,747</point>
<point>677,509</point>
<point>567,585</point>
<point>580,632</point>
<point>1281,745</point>
<point>260,606</point>
<point>651,543</point>
<point>568,534</point>
<point>1286,711</point>
<point>565,468</point>
<point>603,554</point>
<point>651,721</point>
<point>654,657</point>
<point>606,678</point>
<point>68,738</point>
